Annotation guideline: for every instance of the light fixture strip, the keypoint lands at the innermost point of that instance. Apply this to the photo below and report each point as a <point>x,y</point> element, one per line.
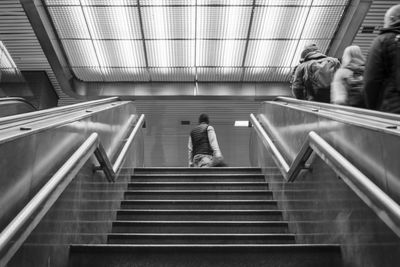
<point>302,31</point>
<point>195,44</point>
<point>247,40</point>
<point>91,39</point>
<point>143,40</point>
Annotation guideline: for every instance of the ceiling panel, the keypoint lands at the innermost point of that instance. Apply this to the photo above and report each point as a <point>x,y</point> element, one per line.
<point>113,22</point>
<point>223,22</point>
<point>275,53</point>
<point>267,74</point>
<point>76,25</point>
<point>322,22</point>
<point>278,22</point>
<point>168,22</point>
<point>219,74</point>
<point>125,74</point>
<point>167,2</point>
<point>227,53</point>
<point>172,74</point>
<point>170,53</point>
<point>81,53</point>
<point>122,53</point>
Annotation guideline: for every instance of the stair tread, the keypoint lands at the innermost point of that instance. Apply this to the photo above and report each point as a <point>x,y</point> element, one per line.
<point>202,200</point>
<point>202,190</point>
<point>200,222</point>
<point>198,211</point>
<point>188,246</point>
<point>199,183</point>
<point>203,234</point>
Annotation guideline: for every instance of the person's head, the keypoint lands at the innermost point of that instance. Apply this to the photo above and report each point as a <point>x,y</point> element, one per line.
<point>310,47</point>
<point>203,118</point>
<point>392,16</point>
<point>352,53</point>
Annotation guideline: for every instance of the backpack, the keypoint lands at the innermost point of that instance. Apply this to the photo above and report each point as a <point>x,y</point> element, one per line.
<point>354,86</point>
<point>318,76</point>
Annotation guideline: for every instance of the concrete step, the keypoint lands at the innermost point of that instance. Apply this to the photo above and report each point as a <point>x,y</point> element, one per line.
<point>183,170</point>
<point>243,227</point>
<point>209,204</point>
<point>198,194</point>
<point>197,177</point>
<point>198,185</point>
<point>199,215</point>
<point>176,238</point>
<point>184,255</point>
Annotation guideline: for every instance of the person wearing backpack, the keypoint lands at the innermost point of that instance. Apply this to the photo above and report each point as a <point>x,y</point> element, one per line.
<point>348,81</point>
<point>382,72</point>
<point>313,77</point>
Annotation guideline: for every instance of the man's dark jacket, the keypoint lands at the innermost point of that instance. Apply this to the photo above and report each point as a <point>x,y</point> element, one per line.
<point>381,91</point>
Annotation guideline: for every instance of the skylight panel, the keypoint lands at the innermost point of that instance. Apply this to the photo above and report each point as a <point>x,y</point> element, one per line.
<point>263,53</point>
<point>69,22</point>
<point>172,74</point>
<point>220,74</point>
<point>168,22</point>
<point>125,74</point>
<point>227,53</point>
<point>322,22</point>
<point>62,2</point>
<point>330,2</point>
<point>284,2</point>
<point>166,53</point>
<point>223,22</point>
<point>225,2</point>
<point>166,2</point>
<point>267,74</point>
<point>278,22</point>
<point>81,53</point>
<point>113,22</point>
<point>109,2</point>
<point>122,53</point>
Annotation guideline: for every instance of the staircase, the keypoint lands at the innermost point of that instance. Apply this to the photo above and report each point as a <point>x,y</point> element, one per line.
<point>201,217</point>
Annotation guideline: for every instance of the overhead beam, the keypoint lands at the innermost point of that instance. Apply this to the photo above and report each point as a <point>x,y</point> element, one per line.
<point>349,26</point>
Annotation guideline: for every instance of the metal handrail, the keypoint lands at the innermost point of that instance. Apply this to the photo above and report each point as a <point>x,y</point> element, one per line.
<point>18,99</point>
<point>56,185</point>
<point>36,114</point>
<point>359,111</point>
<point>384,206</point>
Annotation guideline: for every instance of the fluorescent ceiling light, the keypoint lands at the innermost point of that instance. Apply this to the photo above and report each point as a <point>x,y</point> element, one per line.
<point>242,124</point>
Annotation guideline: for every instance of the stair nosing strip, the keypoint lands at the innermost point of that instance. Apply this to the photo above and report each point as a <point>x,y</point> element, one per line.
<point>203,222</point>
<point>197,210</point>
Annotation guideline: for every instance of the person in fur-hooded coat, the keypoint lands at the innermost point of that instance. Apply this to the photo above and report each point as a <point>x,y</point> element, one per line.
<point>347,84</point>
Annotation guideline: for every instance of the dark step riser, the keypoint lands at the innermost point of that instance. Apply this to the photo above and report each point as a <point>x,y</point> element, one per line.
<point>221,257</point>
<point>198,206</point>
<point>198,195</point>
<point>202,240</point>
<point>244,229</point>
<point>188,179</point>
<point>199,217</point>
<point>197,187</point>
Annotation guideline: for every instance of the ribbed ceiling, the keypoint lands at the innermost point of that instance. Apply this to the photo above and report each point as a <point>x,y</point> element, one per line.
<point>264,42</point>
<point>373,21</point>
<point>197,40</point>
